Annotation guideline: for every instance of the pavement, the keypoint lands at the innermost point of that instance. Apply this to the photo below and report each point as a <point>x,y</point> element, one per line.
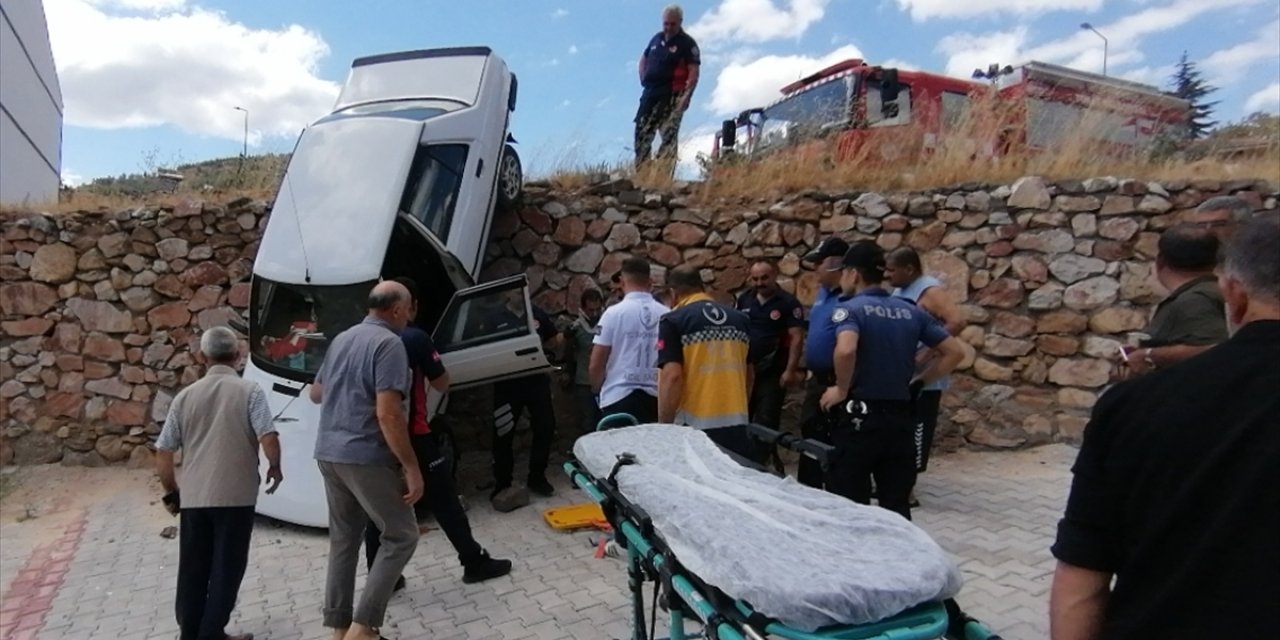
<point>82,557</point>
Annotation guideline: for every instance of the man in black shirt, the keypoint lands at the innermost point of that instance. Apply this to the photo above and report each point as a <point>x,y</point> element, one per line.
<point>777,333</point>
<point>1175,491</point>
<point>669,74</point>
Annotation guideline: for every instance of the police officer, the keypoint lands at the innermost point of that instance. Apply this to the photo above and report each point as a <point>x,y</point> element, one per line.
<point>873,395</point>
<point>819,346</point>
<point>776,329</point>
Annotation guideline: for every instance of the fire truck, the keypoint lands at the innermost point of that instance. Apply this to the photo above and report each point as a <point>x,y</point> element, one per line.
<point>874,113</point>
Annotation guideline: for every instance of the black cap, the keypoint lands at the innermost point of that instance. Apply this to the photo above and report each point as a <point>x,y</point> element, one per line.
<point>865,255</point>
<point>832,247</point>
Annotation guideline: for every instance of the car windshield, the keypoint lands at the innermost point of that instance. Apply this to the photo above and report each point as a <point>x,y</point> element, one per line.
<point>291,325</point>
<point>806,113</point>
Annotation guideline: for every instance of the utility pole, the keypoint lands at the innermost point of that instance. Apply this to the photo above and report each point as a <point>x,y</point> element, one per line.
<point>1088,27</point>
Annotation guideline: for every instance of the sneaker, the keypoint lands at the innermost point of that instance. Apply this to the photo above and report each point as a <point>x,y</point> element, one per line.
<point>486,568</point>
<point>540,486</point>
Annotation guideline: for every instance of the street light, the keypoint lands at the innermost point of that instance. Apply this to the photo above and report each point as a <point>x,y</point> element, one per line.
<point>1088,27</point>
<point>244,153</point>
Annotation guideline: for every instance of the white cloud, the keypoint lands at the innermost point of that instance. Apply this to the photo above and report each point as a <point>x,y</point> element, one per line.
<point>925,9</point>
<point>559,13</point>
<point>1268,99</point>
<point>185,67</point>
<point>1081,50</point>
<point>71,178</point>
<point>573,49</point>
<point>742,85</point>
<point>740,21</point>
<point>698,141</point>
<point>1223,65</point>
<point>1155,76</point>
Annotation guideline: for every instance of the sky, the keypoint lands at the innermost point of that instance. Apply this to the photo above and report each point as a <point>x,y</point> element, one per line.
<point>158,81</point>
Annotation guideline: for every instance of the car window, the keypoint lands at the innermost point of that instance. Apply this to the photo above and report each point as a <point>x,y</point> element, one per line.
<point>431,192</point>
<point>899,111</point>
<point>292,325</point>
<point>485,314</point>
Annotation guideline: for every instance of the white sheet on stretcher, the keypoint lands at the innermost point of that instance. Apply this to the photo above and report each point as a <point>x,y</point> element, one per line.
<point>802,556</point>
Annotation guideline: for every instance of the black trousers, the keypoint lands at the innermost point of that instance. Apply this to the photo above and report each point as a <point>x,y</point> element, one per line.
<point>767,395</point>
<point>639,404</point>
<point>926,416</point>
<point>213,552</point>
<point>813,424</point>
<point>879,445</point>
<point>659,113</point>
<point>511,398</point>
<point>441,496</point>
<point>588,411</point>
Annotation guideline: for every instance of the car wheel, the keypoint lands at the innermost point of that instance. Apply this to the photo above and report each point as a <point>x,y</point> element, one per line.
<point>510,178</point>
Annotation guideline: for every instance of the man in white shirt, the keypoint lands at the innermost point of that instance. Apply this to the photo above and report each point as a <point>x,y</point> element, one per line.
<point>624,355</point>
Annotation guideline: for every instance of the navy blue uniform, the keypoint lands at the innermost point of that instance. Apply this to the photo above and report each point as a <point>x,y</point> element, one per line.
<point>667,63</point>
<point>512,397</point>
<point>875,434</point>
<point>770,323</point>
<point>819,351</point>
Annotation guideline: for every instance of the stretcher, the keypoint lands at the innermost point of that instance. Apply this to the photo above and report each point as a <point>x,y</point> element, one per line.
<point>737,590</point>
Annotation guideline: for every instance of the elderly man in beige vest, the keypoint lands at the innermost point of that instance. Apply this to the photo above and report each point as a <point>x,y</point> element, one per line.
<point>218,424</point>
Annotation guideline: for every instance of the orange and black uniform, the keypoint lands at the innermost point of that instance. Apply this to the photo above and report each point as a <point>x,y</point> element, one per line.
<point>666,78</point>
<point>712,343</point>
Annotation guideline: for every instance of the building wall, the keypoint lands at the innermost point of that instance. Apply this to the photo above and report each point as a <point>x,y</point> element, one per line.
<point>30,106</point>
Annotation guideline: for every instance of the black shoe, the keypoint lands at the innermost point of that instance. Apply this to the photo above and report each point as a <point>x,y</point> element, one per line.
<point>498,488</point>
<point>485,568</point>
<point>540,486</point>
<point>399,585</point>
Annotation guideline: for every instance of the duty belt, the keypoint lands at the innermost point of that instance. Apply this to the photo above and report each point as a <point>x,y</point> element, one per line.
<point>856,407</point>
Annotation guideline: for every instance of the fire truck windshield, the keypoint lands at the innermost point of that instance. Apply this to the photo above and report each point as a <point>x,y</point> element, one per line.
<point>808,112</point>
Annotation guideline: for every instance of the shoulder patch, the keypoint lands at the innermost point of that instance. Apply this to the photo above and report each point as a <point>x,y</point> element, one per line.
<point>840,314</point>
<point>775,315</point>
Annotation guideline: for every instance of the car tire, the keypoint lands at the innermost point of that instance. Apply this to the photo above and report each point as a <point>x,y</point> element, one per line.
<point>510,178</point>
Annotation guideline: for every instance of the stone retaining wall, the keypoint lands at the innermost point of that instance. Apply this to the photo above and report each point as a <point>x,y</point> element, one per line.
<point>101,311</point>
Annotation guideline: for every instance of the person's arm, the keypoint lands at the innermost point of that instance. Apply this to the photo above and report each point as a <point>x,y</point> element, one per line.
<point>951,353</point>
<point>846,362</point>
<point>391,379</point>
<point>597,366</point>
<point>169,441</point>
<point>670,370</point>
<point>316,393</point>
<point>687,98</point>
<point>670,390</point>
<point>1161,357</point>
<point>940,305</point>
<point>427,359</point>
<point>644,63</point>
<point>1077,602</point>
<point>265,429</point>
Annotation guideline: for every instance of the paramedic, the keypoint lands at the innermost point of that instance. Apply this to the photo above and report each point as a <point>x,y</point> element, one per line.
<point>1174,491</point>
<point>512,397</point>
<point>819,345</point>
<point>624,362</point>
<point>669,74</point>
<point>904,271</point>
<point>776,328</point>
<point>704,370</point>
<point>875,361</point>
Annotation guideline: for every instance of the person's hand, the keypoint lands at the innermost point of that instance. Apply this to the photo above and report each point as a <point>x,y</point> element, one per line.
<point>274,478</point>
<point>171,503</point>
<point>413,482</point>
<point>792,378</point>
<point>830,398</point>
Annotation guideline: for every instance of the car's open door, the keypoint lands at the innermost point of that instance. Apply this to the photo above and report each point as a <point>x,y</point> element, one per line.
<point>478,340</point>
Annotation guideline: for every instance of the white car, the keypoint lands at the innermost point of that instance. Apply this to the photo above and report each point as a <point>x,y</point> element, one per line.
<point>401,179</point>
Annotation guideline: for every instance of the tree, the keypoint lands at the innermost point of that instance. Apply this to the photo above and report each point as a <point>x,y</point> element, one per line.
<point>1189,85</point>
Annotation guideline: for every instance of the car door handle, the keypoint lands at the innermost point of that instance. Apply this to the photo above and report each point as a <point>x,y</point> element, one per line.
<point>526,352</point>
<point>479,167</point>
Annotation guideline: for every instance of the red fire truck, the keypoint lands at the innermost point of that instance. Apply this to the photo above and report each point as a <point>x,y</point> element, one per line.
<point>884,114</point>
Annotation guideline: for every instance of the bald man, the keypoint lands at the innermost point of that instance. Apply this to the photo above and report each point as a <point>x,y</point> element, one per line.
<point>369,467</point>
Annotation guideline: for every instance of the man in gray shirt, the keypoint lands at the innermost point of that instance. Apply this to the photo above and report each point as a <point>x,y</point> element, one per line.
<point>218,423</point>
<point>370,470</point>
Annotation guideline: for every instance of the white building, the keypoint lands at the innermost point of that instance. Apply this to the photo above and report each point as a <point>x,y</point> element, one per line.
<point>30,106</point>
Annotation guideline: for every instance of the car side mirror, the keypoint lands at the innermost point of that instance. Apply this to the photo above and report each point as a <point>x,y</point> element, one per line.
<point>728,133</point>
